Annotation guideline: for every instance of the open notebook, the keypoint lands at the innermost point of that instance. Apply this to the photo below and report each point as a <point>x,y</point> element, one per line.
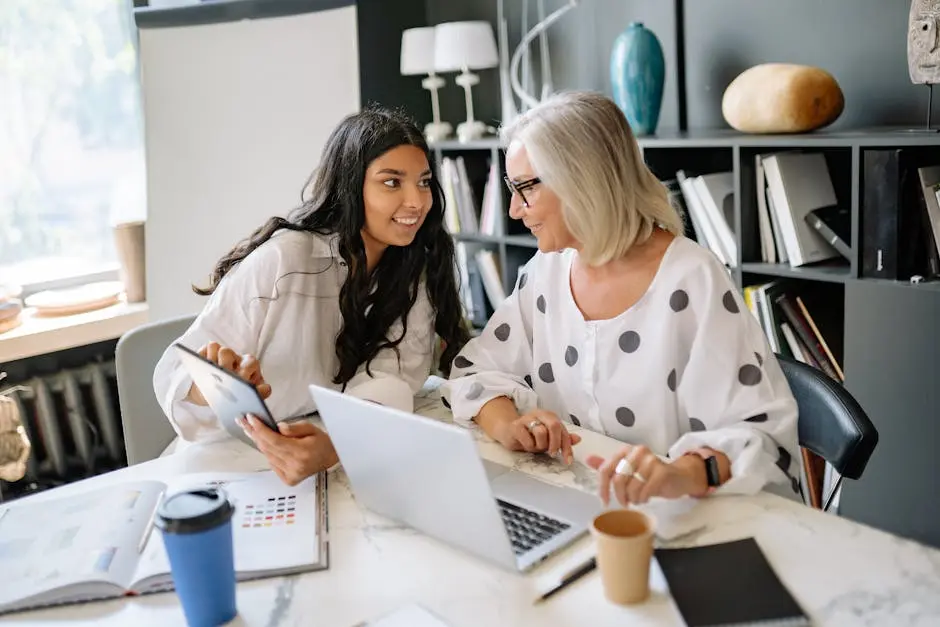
<point>102,543</point>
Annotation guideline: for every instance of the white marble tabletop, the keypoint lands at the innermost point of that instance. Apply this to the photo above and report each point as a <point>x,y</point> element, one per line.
<point>840,572</point>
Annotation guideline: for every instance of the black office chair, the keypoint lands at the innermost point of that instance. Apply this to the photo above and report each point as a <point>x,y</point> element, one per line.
<point>831,424</point>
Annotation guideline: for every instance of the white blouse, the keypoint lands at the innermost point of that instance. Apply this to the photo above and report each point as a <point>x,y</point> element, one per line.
<point>281,304</point>
<point>686,366</point>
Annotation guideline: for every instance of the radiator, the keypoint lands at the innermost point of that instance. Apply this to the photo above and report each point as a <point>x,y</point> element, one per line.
<point>72,418</point>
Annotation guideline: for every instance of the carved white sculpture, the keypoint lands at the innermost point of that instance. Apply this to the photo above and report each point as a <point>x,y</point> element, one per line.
<point>518,84</point>
<point>923,46</point>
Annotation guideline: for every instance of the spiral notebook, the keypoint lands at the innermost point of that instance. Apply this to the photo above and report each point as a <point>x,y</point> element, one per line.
<point>728,585</point>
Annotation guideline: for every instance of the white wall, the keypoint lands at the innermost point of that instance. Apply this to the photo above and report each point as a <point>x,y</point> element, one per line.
<point>236,115</point>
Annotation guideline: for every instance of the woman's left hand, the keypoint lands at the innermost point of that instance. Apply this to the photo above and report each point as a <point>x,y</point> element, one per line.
<point>296,451</point>
<point>644,475</point>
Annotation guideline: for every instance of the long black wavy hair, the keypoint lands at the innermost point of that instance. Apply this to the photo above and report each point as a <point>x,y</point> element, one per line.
<point>371,303</point>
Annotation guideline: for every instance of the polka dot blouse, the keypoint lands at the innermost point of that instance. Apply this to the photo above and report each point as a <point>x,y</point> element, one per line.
<point>686,366</point>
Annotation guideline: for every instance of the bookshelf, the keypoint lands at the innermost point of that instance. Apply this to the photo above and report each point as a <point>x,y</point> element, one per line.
<point>718,150</point>
<point>509,241</point>
<point>884,333</point>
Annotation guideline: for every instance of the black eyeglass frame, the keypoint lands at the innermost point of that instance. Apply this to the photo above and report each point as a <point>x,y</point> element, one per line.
<point>521,186</point>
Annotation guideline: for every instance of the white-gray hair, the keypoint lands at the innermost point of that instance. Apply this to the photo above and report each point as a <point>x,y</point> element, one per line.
<point>581,146</point>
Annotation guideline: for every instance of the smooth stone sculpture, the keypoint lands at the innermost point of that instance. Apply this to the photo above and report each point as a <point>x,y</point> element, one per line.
<point>923,51</point>
<point>782,98</point>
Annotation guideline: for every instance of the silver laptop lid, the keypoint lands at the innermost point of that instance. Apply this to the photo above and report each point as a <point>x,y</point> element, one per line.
<point>418,471</point>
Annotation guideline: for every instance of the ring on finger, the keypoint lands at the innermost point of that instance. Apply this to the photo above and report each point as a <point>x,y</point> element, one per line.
<point>532,425</point>
<point>636,475</point>
<point>624,467</point>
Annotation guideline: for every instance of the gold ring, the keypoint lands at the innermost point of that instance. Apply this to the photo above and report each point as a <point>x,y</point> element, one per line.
<point>533,425</point>
<point>639,477</point>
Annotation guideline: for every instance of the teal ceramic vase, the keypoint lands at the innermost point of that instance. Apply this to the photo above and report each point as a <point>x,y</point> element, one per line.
<point>637,73</point>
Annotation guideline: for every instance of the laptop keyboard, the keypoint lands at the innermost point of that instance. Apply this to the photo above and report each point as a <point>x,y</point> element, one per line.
<point>526,528</point>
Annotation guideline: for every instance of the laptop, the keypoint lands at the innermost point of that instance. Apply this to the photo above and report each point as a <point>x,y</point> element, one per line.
<point>428,475</point>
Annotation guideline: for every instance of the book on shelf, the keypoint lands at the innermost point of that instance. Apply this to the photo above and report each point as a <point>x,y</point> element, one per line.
<point>472,290</point>
<point>798,183</point>
<point>760,299</point>
<point>897,235</point>
<point>710,205</point>
<point>809,341</point>
<point>768,249</point>
<point>467,204</point>
<point>778,243</point>
<point>490,273</point>
<point>930,195</point>
<point>716,195</point>
<point>834,223</point>
<point>491,213</point>
<point>463,213</point>
<point>793,332</point>
<point>101,543</point>
<point>451,214</point>
<point>777,305</point>
<point>690,228</point>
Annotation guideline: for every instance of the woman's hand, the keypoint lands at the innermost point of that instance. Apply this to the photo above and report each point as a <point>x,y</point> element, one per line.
<point>245,366</point>
<point>296,451</point>
<point>644,475</point>
<point>538,431</point>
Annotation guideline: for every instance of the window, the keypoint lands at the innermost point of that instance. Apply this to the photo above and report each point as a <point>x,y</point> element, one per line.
<point>71,137</point>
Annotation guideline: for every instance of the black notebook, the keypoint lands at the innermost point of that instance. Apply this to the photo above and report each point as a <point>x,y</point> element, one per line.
<point>728,584</point>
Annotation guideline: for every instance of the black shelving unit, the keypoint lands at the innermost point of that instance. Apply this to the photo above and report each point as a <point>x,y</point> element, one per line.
<point>722,150</point>
<point>512,246</point>
<point>885,334</point>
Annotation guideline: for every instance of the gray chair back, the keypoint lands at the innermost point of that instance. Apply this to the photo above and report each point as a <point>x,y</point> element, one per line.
<point>147,432</point>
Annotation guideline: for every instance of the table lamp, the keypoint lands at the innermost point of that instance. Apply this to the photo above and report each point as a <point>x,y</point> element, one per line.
<point>465,46</point>
<point>417,57</point>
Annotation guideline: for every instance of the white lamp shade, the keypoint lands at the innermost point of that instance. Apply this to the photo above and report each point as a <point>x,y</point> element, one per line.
<point>464,44</point>
<point>417,51</point>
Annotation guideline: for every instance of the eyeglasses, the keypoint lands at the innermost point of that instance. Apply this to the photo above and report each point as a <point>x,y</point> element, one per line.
<point>518,188</point>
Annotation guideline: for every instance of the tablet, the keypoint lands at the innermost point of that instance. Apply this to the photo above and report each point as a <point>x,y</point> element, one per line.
<point>229,396</point>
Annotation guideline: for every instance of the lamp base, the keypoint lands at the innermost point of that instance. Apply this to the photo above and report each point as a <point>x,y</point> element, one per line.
<point>470,130</point>
<point>436,131</point>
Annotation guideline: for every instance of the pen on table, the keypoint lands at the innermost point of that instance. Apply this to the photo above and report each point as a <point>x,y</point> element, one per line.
<point>570,578</point>
<point>149,527</point>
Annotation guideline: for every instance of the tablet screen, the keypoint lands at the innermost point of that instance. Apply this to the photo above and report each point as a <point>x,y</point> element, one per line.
<point>229,396</point>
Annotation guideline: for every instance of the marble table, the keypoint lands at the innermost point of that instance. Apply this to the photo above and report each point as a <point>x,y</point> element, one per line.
<point>841,572</point>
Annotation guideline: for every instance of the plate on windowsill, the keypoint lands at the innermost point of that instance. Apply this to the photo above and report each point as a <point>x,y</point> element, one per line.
<point>10,318</point>
<point>67,302</point>
<point>9,292</point>
<point>10,323</point>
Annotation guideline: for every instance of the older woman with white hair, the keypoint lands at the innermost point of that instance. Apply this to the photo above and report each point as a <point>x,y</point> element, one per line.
<point>621,325</point>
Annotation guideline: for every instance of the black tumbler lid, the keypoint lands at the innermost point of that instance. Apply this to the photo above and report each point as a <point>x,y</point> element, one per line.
<point>193,511</point>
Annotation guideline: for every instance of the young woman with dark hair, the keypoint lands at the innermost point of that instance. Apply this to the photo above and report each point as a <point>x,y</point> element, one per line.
<point>349,291</point>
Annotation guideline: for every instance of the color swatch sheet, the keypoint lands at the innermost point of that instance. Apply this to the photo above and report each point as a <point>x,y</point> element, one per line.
<point>275,527</point>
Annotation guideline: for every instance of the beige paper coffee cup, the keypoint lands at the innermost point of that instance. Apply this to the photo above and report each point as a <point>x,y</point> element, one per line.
<point>129,241</point>
<point>624,542</point>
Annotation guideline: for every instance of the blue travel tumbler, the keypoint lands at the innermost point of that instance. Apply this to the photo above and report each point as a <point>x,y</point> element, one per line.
<point>197,533</point>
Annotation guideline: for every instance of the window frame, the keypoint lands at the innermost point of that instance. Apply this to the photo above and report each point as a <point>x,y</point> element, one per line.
<point>110,270</point>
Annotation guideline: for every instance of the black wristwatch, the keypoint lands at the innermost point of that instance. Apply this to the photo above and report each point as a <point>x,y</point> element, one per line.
<point>712,473</point>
